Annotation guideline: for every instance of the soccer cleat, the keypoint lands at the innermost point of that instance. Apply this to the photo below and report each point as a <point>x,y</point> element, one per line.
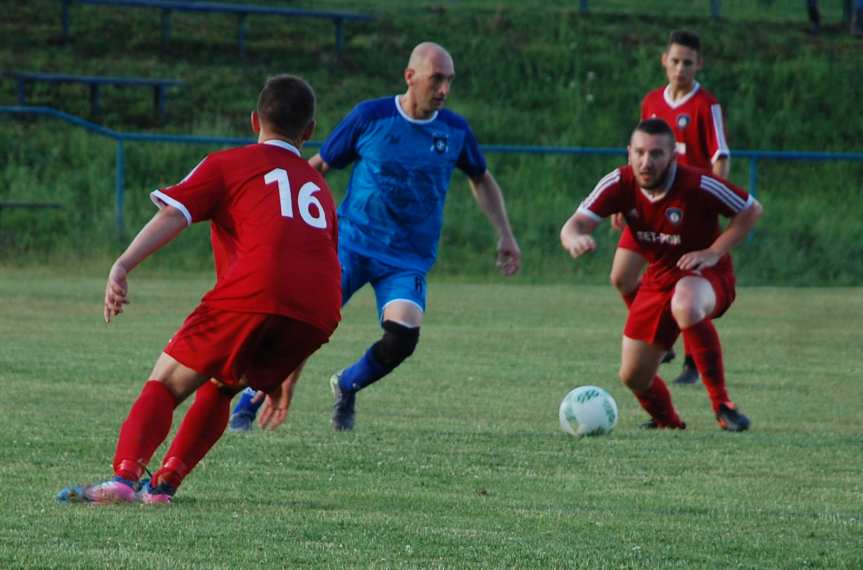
<point>730,419</point>
<point>161,494</point>
<point>343,408</point>
<point>651,424</point>
<point>241,422</point>
<point>689,374</point>
<point>116,490</point>
<point>668,356</point>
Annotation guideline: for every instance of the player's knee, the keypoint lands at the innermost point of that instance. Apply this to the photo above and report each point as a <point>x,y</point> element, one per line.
<point>623,282</point>
<point>635,378</point>
<point>398,343</point>
<point>686,312</point>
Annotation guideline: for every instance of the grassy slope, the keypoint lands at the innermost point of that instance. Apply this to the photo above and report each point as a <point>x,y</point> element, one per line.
<point>529,73</point>
<point>458,460</point>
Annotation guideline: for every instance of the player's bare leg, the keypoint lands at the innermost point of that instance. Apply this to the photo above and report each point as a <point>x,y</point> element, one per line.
<point>638,366</point>
<point>626,269</point>
<point>626,273</point>
<point>693,302</point>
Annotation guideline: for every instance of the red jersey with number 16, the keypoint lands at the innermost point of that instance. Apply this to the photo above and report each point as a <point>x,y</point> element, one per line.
<point>273,231</point>
<point>684,218</point>
<point>697,123</point>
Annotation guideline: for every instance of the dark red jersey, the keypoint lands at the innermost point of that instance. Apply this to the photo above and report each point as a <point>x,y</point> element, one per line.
<point>697,123</point>
<point>273,231</point>
<point>682,219</point>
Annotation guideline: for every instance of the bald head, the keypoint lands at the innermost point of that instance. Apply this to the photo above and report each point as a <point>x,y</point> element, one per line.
<point>428,76</point>
<point>428,53</point>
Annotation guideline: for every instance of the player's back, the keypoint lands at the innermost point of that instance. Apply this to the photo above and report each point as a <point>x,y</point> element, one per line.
<point>274,236</point>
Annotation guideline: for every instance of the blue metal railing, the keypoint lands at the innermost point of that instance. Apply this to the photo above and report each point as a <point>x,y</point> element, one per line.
<point>753,156</point>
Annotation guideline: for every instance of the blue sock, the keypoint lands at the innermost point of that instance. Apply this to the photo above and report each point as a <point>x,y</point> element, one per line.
<point>245,404</point>
<point>362,373</point>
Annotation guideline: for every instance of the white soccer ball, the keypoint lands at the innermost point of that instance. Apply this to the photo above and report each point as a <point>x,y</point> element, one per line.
<point>588,410</point>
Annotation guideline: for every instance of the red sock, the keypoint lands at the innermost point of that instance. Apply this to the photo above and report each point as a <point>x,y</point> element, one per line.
<point>656,401</point>
<point>145,428</point>
<point>702,340</point>
<point>202,427</point>
<point>629,298</point>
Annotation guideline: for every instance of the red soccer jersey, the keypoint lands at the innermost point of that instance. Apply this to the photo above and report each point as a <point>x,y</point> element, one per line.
<point>273,231</point>
<point>697,123</point>
<point>685,218</point>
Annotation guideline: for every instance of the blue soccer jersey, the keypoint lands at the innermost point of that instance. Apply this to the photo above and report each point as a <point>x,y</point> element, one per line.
<point>393,209</point>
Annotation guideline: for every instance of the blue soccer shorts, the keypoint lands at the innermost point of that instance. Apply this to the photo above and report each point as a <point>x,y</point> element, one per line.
<point>390,283</point>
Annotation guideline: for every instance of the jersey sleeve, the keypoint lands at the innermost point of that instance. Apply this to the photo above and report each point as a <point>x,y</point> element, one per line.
<point>605,199</point>
<point>723,196</point>
<point>340,147</point>
<point>470,159</point>
<point>713,127</point>
<point>197,195</point>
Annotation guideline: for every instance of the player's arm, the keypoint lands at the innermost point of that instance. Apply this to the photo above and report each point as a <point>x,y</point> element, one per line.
<point>575,235</point>
<point>722,166</point>
<point>319,164</point>
<point>738,228</point>
<point>161,229</point>
<point>490,200</point>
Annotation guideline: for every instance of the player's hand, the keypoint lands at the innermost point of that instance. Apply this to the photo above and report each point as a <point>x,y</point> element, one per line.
<point>578,245</point>
<point>618,222</point>
<point>695,260</point>
<point>508,256</point>
<point>275,409</point>
<point>116,292</point>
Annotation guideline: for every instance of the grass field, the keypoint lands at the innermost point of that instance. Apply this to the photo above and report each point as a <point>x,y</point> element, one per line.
<point>457,460</point>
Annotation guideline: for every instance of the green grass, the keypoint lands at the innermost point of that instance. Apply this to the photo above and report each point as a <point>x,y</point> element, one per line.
<point>457,460</point>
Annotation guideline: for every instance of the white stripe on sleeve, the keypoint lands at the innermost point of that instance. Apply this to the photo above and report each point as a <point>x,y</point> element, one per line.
<point>719,131</point>
<point>161,199</point>
<point>607,181</point>
<point>723,193</point>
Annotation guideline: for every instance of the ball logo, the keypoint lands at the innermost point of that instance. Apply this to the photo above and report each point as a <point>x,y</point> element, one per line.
<point>440,144</point>
<point>674,215</point>
<point>683,121</point>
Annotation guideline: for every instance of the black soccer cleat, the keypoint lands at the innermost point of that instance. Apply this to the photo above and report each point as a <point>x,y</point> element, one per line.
<point>689,374</point>
<point>669,356</point>
<point>344,406</point>
<point>730,419</point>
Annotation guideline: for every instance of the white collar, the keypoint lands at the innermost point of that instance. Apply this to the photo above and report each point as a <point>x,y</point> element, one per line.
<point>675,104</point>
<point>283,144</point>
<point>410,119</point>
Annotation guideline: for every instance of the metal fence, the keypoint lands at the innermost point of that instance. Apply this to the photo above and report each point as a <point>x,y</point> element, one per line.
<point>121,138</point>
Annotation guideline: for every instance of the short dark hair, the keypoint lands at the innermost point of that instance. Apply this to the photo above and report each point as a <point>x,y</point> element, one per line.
<point>287,105</point>
<point>686,39</point>
<point>655,126</point>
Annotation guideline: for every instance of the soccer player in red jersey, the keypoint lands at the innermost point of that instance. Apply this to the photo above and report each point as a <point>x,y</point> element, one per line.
<point>696,118</point>
<point>673,211</point>
<point>276,300</point>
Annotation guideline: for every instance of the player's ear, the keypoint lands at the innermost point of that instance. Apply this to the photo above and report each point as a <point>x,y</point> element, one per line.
<point>255,122</point>
<point>309,130</point>
<point>409,75</point>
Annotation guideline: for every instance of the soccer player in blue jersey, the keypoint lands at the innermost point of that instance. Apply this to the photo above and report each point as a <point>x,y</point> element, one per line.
<point>404,149</point>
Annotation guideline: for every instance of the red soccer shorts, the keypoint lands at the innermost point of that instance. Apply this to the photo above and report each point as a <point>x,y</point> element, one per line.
<point>627,241</point>
<point>240,349</point>
<point>650,317</point>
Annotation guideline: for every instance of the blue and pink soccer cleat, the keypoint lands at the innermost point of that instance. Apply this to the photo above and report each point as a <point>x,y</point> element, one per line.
<point>116,490</point>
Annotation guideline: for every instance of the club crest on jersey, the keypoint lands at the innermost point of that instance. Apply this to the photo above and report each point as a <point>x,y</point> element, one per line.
<point>674,215</point>
<point>683,121</point>
<point>440,143</point>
